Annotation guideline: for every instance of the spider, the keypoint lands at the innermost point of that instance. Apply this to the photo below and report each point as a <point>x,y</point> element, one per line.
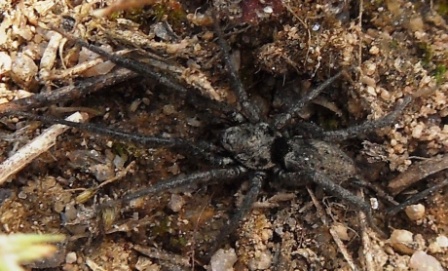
<point>259,148</point>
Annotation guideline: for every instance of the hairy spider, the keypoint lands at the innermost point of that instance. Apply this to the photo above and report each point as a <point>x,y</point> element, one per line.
<point>254,146</point>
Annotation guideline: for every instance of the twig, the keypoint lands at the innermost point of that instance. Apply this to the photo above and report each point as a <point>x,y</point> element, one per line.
<point>93,265</point>
<point>361,10</point>
<point>332,230</point>
<point>366,244</point>
<point>319,208</point>
<point>34,148</point>
<point>164,256</point>
<point>417,172</point>
<point>342,248</point>
<point>80,68</point>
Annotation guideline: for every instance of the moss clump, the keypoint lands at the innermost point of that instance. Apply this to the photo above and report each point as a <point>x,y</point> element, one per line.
<point>425,52</point>
<point>439,73</point>
<point>172,11</point>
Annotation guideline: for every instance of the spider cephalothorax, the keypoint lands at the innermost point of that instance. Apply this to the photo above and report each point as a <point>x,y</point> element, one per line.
<point>251,144</point>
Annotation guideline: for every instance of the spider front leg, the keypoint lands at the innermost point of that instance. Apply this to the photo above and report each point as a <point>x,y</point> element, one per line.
<point>249,199</point>
<point>204,177</point>
<point>204,149</point>
<point>282,120</point>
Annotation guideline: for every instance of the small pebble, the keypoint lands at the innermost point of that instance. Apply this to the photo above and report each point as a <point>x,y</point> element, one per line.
<point>402,241</point>
<point>420,261</point>
<point>316,27</point>
<point>374,203</point>
<point>134,105</point>
<point>102,172</point>
<point>71,257</point>
<point>22,195</point>
<point>176,203</point>
<point>374,50</point>
<point>223,260</point>
<point>439,245</point>
<point>268,10</point>
<point>168,109</point>
<point>24,71</point>
<point>262,260</point>
<point>415,212</point>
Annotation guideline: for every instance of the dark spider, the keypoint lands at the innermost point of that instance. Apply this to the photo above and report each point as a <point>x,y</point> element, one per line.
<point>255,147</point>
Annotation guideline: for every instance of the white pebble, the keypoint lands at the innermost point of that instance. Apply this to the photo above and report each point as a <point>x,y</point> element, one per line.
<point>268,10</point>
<point>420,261</point>
<point>71,257</point>
<point>176,203</point>
<point>223,260</point>
<point>262,260</point>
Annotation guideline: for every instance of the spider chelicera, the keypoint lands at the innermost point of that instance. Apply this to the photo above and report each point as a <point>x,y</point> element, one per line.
<point>255,147</point>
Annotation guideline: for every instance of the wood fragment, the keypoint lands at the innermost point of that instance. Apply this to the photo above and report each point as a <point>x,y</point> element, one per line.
<point>342,248</point>
<point>159,254</point>
<point>49,56</point>
<point>417,172</point>
<point>320,210</point>
<point>93,265</point>
<point>366,243</point>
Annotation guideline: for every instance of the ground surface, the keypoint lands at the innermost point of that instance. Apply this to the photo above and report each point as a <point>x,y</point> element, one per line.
<point>283,49</point>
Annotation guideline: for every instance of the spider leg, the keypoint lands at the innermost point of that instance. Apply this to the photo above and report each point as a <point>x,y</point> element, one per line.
<point>248,109</point>
<point>128,63</point>
<point>142,69</point>
<point>204,177</point>
<point>417,197</point>
<point>202,148</point>
<point>251,196</point>
<point>68,93</point>
<point>326,183</point>
<point>378,191</point>
<point>331,187</point>
<point>370,125</point>
<point>283,119</point>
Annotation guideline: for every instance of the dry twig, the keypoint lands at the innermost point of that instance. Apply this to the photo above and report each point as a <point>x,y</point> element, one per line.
<point>332,230</point>
<point>417,172</point>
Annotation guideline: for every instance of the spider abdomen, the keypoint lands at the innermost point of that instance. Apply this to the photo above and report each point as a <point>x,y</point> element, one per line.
<point>317,155</point>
